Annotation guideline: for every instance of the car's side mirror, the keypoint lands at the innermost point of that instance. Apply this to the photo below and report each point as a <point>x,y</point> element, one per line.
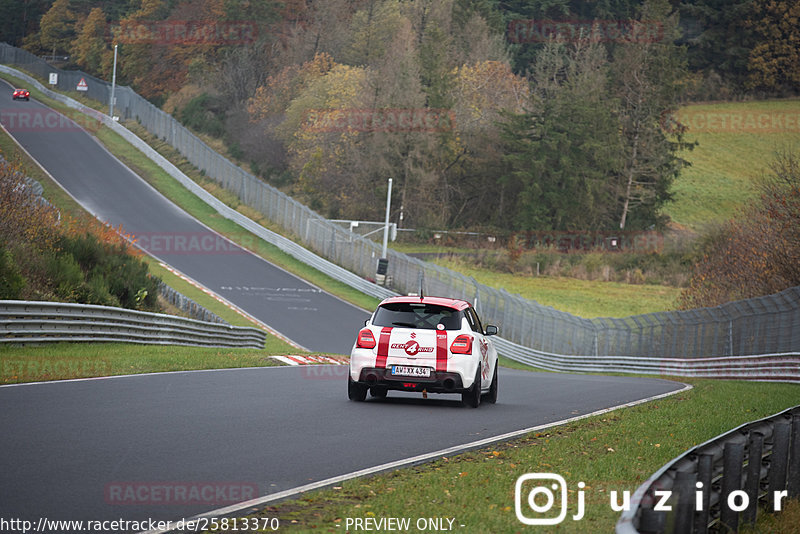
<point>491,330</point>
<point>366,322</point>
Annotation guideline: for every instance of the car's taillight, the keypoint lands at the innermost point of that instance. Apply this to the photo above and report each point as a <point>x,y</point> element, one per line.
<point>462,345</point>
<point>365,339</point>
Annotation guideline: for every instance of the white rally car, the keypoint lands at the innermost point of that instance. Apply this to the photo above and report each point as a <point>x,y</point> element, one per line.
<point>424,344</point>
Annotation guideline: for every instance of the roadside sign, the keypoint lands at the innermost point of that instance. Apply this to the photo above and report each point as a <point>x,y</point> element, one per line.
<point>53,78</point>
<point>82,85</point>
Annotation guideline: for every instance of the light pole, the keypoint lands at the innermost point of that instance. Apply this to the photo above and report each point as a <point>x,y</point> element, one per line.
<point>383,262</point>
<point>386,227</point>
<point>113,86</point>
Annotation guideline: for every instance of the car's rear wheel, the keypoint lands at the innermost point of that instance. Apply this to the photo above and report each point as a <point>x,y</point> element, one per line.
<point>472,397</point>
<point>491,397</point>
<point>355,391</point>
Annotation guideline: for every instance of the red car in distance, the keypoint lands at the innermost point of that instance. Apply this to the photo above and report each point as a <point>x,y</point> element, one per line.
<point>21,94</point>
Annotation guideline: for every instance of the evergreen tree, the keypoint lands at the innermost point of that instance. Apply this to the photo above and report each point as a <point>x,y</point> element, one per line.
<point>563,153</point>
<point>648,74</point>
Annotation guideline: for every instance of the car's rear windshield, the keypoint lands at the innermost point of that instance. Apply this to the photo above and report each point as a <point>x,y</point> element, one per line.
<point>417,315</point>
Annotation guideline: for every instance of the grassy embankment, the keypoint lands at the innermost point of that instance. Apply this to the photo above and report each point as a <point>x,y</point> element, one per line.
<point>728,158</point>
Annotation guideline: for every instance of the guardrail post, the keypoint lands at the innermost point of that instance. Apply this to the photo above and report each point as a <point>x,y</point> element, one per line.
<point>705,472</point>
<point>684,486</point>
<point>780,455</point>
<point>651,521</point>
<point>794,459</point>
<point>732,461</point>
<point>753,480</point>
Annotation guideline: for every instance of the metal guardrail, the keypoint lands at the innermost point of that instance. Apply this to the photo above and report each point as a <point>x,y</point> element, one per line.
<point>45,322</point>
<point>766,325</point>
<point>784,367</point>
<point>170,294</point>
<point>718,485</point>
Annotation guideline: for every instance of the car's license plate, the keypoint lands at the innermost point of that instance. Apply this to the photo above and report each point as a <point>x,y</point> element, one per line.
<point>404,370</point>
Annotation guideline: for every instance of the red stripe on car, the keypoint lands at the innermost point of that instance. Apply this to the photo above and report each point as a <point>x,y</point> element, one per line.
<point>441,350</point>
<point>383,347</point>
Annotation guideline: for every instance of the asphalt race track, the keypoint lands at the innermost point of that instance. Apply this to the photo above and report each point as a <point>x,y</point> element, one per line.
<point>120,447</point>
<point>67,445</point>
<point>300,311</point>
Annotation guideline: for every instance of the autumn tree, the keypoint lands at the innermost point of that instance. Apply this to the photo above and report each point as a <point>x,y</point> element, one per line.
<point>482,93</point>
<point>648,72</point>
<point>57,27</point>
<point>90,51</point>
<point>775,60</point>
<point>403,155</point>
<point>372,30</point>
<point>758,252</point>
<point>319,148</point>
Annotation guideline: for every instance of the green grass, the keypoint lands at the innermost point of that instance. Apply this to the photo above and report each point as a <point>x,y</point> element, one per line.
<point>585,298</point>
<point>787,522</point>
<point>726,161</point>
<point>59,361</point>
<point>615,451</point>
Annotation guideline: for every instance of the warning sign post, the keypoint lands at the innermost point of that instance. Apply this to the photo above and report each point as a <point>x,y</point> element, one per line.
<point>82,85</point>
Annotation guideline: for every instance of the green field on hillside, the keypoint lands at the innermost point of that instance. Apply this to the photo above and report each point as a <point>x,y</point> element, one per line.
<point>585,298</point>
<point>736,143</point>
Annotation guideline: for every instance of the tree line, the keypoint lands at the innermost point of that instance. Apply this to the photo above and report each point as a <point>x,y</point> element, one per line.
<point>540,133</point>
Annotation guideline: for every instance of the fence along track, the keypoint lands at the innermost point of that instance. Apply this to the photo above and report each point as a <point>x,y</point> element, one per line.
<point>766,325</point>
<point>47,322</point>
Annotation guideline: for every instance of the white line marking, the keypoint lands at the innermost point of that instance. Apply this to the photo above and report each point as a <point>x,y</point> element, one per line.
<point>285,360</point>
<point>261,501</point>
<point>137,375</point>
<point>226,302</point>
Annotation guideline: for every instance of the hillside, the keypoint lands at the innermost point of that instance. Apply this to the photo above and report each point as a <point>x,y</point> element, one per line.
<point>728,158</point>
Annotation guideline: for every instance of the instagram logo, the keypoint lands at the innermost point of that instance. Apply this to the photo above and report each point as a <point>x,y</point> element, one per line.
<point>540,490</point>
